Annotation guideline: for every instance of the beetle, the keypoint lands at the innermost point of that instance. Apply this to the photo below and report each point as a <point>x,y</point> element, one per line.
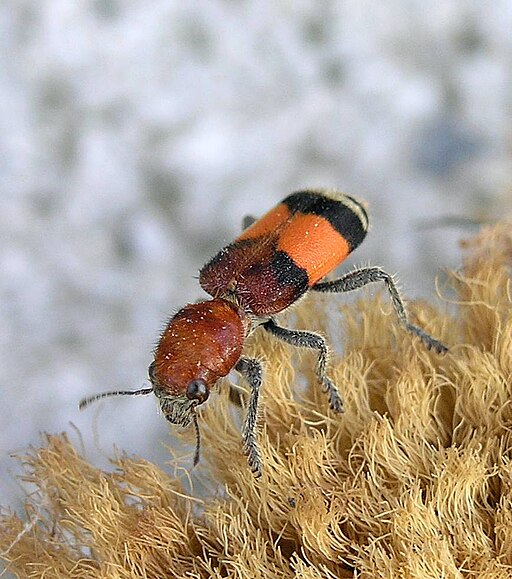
<point>275,261</point>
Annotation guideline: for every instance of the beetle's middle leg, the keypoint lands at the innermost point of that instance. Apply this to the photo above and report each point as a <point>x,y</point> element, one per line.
<point>304,339</point>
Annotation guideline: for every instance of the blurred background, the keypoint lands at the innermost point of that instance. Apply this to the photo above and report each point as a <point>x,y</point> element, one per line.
<point>136,134</point>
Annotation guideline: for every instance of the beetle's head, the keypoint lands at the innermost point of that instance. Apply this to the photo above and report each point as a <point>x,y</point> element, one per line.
<point>200,344</point>
<point>179,408</point>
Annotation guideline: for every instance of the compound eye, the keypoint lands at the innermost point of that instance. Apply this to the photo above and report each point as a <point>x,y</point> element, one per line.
<point>197,390</point>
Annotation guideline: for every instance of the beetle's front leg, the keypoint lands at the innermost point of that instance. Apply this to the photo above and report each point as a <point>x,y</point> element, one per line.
<point>251,370</point>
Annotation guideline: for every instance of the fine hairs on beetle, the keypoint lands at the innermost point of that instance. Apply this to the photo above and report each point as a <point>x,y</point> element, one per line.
<point>275,261</point>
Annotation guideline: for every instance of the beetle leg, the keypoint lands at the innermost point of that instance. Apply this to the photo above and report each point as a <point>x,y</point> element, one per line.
<point>247,221</point>
<point>361,277</point>
<point>303,339</point>
<point>251,370</point>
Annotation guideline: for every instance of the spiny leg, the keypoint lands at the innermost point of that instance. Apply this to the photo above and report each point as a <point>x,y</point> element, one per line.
<point>251,370</point>
<point>361,277</point>
<point>303,339</point>
<point>247,221</point>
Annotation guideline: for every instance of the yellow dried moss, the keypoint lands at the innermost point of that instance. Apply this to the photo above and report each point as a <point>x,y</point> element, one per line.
<point>414,480</point>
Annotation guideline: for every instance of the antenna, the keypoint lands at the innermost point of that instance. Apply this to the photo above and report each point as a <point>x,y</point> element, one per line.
<point>89,400</point>
<point>198,440</point>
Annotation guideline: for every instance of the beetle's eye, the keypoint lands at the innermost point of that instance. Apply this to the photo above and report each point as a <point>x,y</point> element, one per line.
<point>197,390</point>
<point>151,372</point>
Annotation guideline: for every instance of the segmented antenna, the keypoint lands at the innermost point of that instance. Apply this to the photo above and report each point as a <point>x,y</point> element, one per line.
<point>198,440</point>
<point>86,401</point>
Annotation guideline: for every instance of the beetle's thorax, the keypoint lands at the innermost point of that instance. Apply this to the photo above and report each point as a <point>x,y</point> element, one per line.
<point>202,341</point>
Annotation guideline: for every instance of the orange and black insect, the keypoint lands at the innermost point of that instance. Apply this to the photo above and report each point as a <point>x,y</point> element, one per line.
<point>275,261</point>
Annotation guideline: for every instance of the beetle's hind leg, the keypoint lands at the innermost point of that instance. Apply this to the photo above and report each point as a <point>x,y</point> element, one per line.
<point>361,277</point>
<point>250,369</point>
<point>303,339</point>
<point>247,221</point>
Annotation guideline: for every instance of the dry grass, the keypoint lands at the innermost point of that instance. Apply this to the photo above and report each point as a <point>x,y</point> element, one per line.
<point>413,481</point>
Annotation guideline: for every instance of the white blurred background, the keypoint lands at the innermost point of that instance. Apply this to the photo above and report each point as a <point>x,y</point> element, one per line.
<point>136,134</point>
